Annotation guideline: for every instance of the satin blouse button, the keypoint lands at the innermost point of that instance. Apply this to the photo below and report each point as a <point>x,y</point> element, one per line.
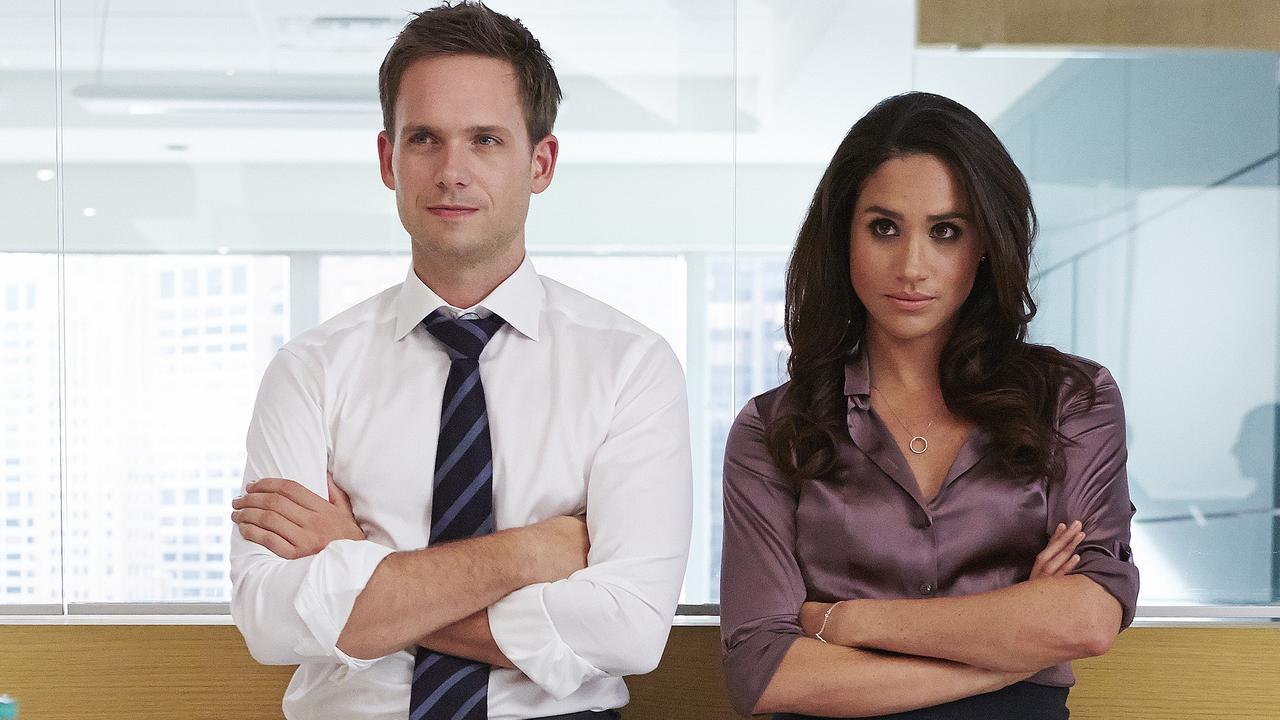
<point>926,588</point>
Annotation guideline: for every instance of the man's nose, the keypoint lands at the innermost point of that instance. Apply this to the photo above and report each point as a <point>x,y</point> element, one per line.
<point>453,170</point>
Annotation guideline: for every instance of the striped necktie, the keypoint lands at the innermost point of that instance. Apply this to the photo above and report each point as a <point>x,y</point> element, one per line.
<point>447,687</point>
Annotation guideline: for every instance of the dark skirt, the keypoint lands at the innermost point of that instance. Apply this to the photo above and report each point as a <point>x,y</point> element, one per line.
<point>1020,701</point>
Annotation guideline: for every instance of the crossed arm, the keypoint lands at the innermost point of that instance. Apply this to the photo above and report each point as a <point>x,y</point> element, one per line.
<point>885,656</point>
<point>1023,628</point>
<point>466,576</point>
<point>1049,619</point>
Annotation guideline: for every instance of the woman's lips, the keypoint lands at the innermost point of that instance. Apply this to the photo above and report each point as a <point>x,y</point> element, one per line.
<point>910,303</point>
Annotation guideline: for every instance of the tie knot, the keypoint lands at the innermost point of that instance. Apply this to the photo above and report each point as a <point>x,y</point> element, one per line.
<point>463,339</point>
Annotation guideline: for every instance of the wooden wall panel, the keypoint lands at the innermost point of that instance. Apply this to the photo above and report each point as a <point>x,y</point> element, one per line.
<point>185,672</point>
<point>137,672</point>
<point>1174,673</point>
<point>1235,24</point>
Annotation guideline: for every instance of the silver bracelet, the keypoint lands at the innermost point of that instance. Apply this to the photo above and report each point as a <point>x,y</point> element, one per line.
<point>826,618</point>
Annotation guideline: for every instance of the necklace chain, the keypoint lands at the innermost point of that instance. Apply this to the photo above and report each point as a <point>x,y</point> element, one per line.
<point>916,439</point>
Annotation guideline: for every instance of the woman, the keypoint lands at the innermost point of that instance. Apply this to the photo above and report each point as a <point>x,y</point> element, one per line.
<point>931,518</point>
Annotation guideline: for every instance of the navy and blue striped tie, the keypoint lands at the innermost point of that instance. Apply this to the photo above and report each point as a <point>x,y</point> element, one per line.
<point>447,687</point>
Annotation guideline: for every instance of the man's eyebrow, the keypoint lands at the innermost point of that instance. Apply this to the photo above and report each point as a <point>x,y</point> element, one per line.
<point>488,130</point>
<point>951,215</point>
<point>472,130</point>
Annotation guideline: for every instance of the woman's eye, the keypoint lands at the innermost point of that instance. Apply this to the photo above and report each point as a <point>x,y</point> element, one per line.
<point>946,231</point>
<point>882,228</point>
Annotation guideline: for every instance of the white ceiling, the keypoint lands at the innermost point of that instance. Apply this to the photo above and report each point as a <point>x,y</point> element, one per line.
<point>644,81</point>
<point>179,117</point>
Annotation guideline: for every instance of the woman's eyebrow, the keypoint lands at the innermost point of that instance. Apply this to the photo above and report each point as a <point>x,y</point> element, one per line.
<point>951,215</point>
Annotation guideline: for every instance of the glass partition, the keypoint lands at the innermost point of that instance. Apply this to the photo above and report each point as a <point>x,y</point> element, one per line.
<point>189,187</point>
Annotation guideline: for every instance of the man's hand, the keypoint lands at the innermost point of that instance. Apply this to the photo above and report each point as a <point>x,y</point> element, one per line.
<point>290,520</point>
<point>293,522</point>
<point>560,546</point>
<point>1058,558</point>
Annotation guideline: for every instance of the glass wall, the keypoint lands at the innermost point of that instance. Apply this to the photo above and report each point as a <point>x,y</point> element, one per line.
<point>187,187</point>
<point>31,450</point>
<point>1155,175</point>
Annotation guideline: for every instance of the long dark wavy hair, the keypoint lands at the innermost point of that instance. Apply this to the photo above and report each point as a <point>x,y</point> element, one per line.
<point>990,375</point>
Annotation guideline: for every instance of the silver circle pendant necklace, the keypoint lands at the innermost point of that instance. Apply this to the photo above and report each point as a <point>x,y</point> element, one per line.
<point>919,443</point>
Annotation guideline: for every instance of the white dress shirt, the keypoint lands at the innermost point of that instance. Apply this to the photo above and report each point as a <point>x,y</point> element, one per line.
<point>587,412</point>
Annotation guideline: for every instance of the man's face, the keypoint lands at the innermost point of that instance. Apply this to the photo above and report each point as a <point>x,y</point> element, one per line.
<point>460,162</point>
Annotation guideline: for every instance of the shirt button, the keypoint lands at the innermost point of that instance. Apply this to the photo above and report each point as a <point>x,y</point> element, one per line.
<point>926,588</point>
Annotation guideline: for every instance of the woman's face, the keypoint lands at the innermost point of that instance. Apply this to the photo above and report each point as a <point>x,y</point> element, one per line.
<point>913,248</point>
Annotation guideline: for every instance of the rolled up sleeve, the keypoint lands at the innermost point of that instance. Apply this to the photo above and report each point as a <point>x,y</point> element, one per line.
<point>1095,490</point>
<point>761,588</point>
<point>613,617</point>
<point>292,611</point>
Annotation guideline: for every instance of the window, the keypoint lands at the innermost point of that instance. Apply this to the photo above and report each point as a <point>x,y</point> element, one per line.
<point>190,283</point>
<point>239,279</point>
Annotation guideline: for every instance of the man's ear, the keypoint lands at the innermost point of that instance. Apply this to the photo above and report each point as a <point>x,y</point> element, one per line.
<point>543,163</point>
<point>385,150</point>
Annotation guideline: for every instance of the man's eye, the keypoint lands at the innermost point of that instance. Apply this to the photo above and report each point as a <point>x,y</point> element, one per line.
<point>488,140</point>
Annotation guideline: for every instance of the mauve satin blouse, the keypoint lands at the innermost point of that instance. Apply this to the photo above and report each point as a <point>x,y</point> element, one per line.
<point>865,532</point>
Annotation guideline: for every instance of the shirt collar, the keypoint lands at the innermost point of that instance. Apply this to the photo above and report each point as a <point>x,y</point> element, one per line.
<point>857,380</point>
<point>518,300</point>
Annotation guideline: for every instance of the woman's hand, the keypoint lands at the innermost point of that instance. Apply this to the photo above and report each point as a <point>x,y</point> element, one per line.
<point>1058,557</point>
<point>814,616</point>
<point>811,616</point>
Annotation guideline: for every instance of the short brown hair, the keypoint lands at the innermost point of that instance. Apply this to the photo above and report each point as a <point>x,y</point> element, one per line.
<point>470,28</point>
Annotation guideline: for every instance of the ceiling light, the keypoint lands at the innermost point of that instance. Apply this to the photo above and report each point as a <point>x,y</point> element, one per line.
<point>187,99</point>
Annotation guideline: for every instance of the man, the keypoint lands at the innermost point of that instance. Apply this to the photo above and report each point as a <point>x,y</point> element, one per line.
<point>472,493</point>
